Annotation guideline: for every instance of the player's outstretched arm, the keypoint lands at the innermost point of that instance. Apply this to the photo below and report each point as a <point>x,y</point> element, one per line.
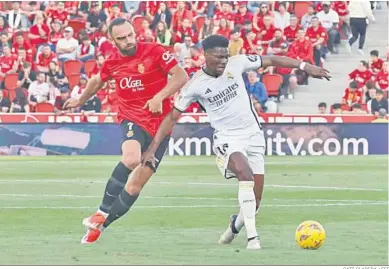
<point>282,61</point>
<point>93,86</point>
<point>164,130</point>
<point>178,79</point>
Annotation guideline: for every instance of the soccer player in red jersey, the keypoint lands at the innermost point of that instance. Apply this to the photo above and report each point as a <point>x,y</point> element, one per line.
<point>141,73</point>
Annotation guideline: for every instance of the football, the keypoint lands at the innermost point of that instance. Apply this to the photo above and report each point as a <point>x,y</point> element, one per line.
<point>310,235</point>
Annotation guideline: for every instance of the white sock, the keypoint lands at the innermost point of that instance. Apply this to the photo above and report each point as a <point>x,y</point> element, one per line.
<point>102,213</point>
<point>239,222</point>
<point>247,203</point>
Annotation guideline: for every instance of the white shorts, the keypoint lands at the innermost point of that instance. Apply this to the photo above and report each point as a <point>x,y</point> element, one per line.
<point>253,147</point>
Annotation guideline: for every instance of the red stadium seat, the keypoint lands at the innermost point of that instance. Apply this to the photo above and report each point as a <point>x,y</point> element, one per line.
<point>137,21</point>
<point>73,80</point>
<point>71,67</point>
<point>345,107</point>
<point>300,8</point>
<point>88,66</point>
<point>77,25</point>
<point>44,107</point>
<point>272,84</point>
<point>11,82</point>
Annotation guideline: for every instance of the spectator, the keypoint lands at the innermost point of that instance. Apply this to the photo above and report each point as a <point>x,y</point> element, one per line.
<point>371,94</point>
<point>257,91</point>
<point>39,90</point>
<point>21,43</point>
<point>329,19</point>
<point>382,78</point>
<point>20,103</point>
<point>379,102</point>
<point>361,75</point>
<point>289,83</point>
<point>16,18</point>
<point>207,29</point>
<point>189,67</point>
<point>45,58</point>
<point>185,30</point>
<point>5,104</point>
<point>306,20</point>
<point>359,12</point>
<point>86,50</point>
<point>92,105</point>
<point>109,100</point>
<point>275,44</point>
<point>223,28</point>
<point>141,35</point>
<point>66,47</point>
<point>246,28</point>
<point>61,82</point>
<point>39,32</point>
<point>259,16</point>
<point>365,91</point>
<point>99,63</point>
<point>54,71</point>
<point>59,13</point>
<point>225,13</point>
<point>336,108</point>
<point>250,44</point>
<point>381,117</point>
<point>290,32</point>
<point>322,107</point>
<point>199,7</point>
<point>4,28</point>
<point>60,101</point>
<point>78,90</point>
<point>236,42</point>
<point>375,62</point>
<point>183,49</point>
<point>115,13</point>
<point>55,35</point>
<point>22,58</point>
<point>267,33</point>
<point>4,42</point>
<point>163,15</point>
<point>357,109</point>
<point>95,17</point>
<point>181,14</point>
<point>282,17</point>
<point>26,76</point>
<point>163,34</point>
<point>8,62</point>
<point>243,15</point>
<point>302,48</point>
<point>352,94</point>
<point>318,36</point>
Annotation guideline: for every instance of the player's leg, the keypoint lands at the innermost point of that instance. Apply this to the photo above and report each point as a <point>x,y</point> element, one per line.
<point>138,179</point>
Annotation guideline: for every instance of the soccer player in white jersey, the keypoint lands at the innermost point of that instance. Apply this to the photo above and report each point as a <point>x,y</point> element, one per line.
<point>239,141</point>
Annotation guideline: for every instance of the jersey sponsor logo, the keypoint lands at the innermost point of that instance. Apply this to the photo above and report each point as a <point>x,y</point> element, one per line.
<point>128,83</point>
<point>229,75</point>
<point>208,91</point>
<point>252,58</point>
<point>167,57</point>
<point>224,96</point>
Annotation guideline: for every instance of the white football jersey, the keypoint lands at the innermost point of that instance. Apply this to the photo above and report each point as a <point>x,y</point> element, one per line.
<point>225,98</point>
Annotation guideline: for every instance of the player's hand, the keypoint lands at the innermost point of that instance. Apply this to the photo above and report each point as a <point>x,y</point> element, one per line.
<point>317,72</point>
<point>148,157</point>
<point>71,103</point>
<point>154,104</point>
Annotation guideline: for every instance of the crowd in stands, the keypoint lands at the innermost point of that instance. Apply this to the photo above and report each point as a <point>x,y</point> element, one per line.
<point>49,50</point>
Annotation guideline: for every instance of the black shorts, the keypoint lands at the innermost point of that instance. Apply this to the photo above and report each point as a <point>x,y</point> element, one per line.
<point>132,131</point>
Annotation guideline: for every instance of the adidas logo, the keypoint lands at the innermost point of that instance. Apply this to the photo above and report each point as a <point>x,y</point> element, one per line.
<point>208,91</point>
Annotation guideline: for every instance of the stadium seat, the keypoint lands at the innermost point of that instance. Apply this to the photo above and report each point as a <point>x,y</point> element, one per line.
<point>11,82</point>
<point>88,66</point>
<point>44,107</point>
<point>71,67</point>
<point>300,8</point>
<point>77,25</point>
<point>199,22</point>
<point>272,84</point>
<point>345,107</point>
<point>73,80</point>
<point>137,22</point>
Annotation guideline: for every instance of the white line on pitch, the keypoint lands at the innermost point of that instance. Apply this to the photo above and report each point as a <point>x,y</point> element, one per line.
<point>75,196</point>
<point>195,206</point>
<point>48,181</point>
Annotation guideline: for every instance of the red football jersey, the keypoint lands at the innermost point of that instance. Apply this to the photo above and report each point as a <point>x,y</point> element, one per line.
<point>62,16</point>
<point>314,35</point>
<point>382,79</point>
<point>360,77</point>
<point>46,60</point>
<point>6,63</point>
<point>139,78</point>
<point>221,15</point>
<point>377,65</point>
<point>353,96</point>
<point>290,33</point>
<point>341,8</point>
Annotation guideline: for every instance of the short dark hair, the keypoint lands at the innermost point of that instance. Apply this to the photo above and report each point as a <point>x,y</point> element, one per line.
<point>353,85</point>
<point>215,41</point>
<point>374,53</point>
<point>336,106</point>
<point>322,104</point>
<point>379,91</point>
<point>370,84</point>
<point>234,31</point>
<point>364,63</point>
<point>117,22</point>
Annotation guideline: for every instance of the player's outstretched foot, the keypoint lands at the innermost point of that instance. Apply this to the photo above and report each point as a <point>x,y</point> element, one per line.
<point>94,222</point>
<point>91,236</point>
<point>228,235</point>
<point>254,244</point>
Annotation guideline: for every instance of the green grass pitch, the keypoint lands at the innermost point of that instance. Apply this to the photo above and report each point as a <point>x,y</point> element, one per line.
<point>186,206</point>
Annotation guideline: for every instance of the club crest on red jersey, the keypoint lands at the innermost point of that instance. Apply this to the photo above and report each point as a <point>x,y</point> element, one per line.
<point>141,68</point>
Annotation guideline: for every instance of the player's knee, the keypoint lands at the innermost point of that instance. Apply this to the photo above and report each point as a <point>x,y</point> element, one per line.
<point>133,188</point>
<point>244,174</point>
<point>131,161</point>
